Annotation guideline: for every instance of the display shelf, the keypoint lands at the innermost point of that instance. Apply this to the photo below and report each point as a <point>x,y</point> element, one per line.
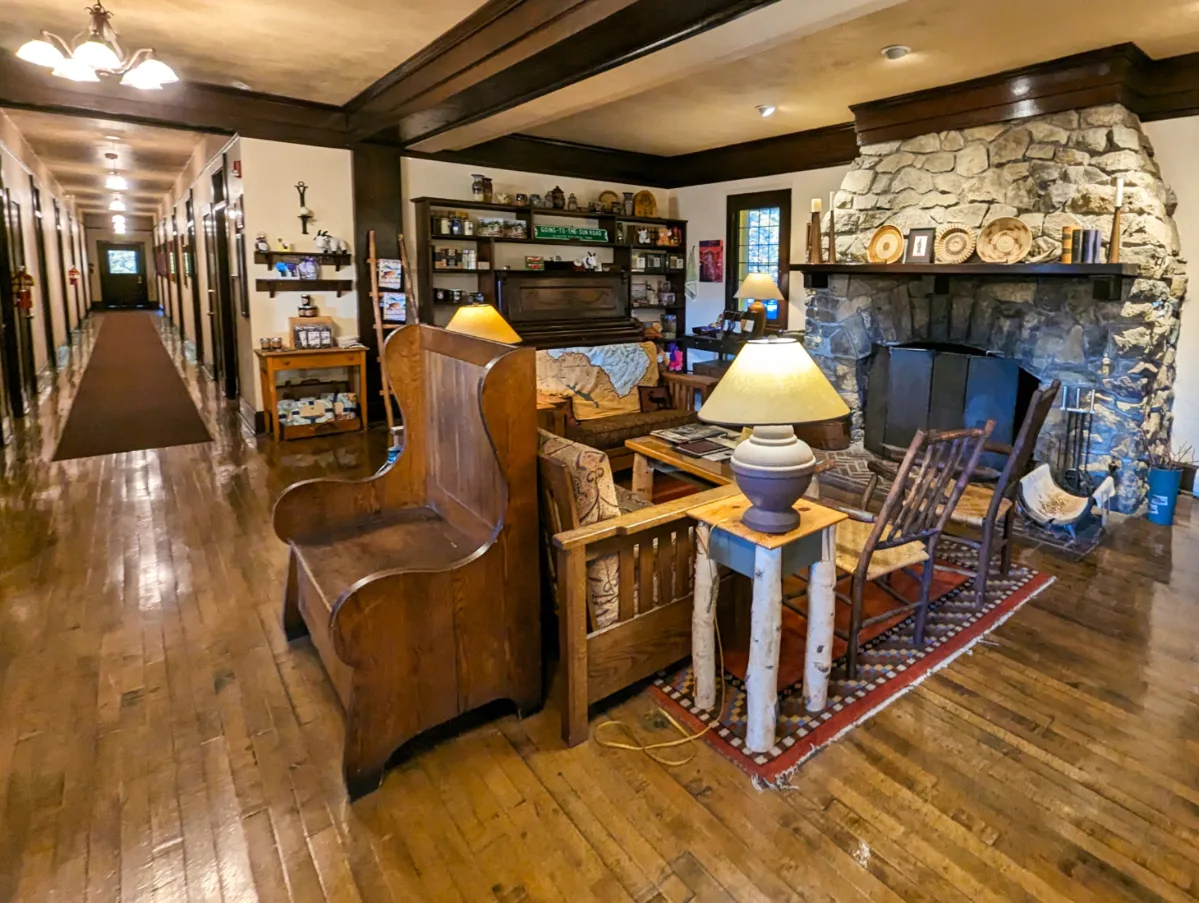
<point>336,260</point>
<point>341,286</point>
<point>450,204</point>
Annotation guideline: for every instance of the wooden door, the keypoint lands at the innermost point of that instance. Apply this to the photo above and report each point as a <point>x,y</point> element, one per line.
<point>43,289</point>
<point>225,337</point>
<point>123,275</point>
<point>12,395</point>
<point>193,275</point>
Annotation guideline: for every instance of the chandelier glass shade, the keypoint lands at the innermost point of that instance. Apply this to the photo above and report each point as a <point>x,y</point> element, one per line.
<point>96,52</point>
<point>116,182</point>
<point>117,204</point>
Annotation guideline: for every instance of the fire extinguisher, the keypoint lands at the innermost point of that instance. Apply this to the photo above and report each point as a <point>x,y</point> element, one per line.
<point>73,275</point>
<point>22,284</point>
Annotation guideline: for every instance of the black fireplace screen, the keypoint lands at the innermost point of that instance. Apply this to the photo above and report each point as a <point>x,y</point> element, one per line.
<point>941,387</point>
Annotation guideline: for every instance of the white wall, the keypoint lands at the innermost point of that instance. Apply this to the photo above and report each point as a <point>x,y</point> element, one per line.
<point>705,207</point>
<point>1175,141</point>
<point>430,178</point>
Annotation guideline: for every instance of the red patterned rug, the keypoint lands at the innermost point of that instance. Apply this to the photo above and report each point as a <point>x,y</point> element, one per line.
<point>889,665</point>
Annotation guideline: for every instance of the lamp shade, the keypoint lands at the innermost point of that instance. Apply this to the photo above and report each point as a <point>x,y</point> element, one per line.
<point>760,287</point>
<point>772,382</point>
<point>483,322</point>
<point>40,53</point>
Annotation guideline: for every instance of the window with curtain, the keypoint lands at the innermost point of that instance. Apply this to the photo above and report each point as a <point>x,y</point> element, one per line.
<point>759,230</point>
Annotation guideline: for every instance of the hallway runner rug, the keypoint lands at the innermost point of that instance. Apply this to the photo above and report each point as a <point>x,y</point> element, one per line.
<point>889,664</point>
<point>131,396</point>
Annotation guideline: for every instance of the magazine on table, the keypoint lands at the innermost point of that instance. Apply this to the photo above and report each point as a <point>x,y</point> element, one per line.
<point>689,433</point>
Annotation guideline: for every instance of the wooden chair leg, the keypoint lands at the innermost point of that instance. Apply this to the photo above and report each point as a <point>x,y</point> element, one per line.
<point>983,570</point>
<point>1005,560</point>
<point>572,631</point>
<point>293,622</point>
<point>858,589</point>
<point>926,587</point>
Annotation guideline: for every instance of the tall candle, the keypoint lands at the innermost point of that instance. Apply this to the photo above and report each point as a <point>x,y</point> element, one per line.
<point>832,200</point>
<point>1120,192</point>
<point>815,205</point>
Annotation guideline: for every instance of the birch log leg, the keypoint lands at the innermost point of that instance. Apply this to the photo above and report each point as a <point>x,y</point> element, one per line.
<point>703,620</point>
<point>822,604</point>
<point>765,634</point>
<point>643,477</point>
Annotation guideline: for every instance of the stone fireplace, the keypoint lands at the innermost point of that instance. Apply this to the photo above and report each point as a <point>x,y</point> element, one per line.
<point>1050,171</point>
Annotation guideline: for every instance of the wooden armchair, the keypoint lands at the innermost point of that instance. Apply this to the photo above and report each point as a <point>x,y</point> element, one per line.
<point>622,583</point>
<point>991,510</point>
<point>419,586</point>
<point>927,486</point>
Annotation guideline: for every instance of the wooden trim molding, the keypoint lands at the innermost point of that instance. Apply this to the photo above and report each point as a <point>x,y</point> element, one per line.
<point>833,145</point>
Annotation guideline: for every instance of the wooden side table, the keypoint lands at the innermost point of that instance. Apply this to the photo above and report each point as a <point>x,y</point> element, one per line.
<point>271,363</point>
<point>766,558</point>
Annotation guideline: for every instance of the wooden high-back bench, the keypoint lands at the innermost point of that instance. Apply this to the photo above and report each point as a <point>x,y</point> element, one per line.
<point>420,585</point>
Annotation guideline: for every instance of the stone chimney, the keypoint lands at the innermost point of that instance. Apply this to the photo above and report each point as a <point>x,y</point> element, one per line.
<point>1050,171</point>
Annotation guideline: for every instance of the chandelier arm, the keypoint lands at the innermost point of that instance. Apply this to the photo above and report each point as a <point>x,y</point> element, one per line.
<point>53,39</point>
<point>133,61</point>
<point>110,35</point>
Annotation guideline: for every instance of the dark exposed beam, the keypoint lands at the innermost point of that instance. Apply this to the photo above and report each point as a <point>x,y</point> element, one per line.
<point>1118,74</point>
<point>636,29</point>
<point>812,149</point>
<point>186,105</point>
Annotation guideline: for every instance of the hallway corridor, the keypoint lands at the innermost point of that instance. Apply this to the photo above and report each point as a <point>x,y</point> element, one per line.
<point>160,741</point>
<point>130,397</point>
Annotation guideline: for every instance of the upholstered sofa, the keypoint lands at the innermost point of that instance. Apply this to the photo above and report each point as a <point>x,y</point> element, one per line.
<point>611,393</point>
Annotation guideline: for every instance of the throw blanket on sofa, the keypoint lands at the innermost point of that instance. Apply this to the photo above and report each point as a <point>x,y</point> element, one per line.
<point>600,380</point>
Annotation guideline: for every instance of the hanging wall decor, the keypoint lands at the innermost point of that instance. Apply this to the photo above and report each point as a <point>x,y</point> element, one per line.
<point>305,214</point>
<point>711,260</point>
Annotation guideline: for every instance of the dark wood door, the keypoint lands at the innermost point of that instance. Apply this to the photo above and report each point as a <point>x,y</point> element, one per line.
<point>43,290</point>
<point>194,279</point>
<point>210,262</point>
<point>123,274</point>
<point>225,336</point>
<point>12,396</point>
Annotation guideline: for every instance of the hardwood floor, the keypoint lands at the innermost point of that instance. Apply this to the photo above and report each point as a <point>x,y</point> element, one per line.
<point>160,741</point>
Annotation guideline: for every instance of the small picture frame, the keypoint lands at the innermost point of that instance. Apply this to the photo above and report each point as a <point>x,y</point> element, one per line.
<point>308,268</point>
<point>919,247</point>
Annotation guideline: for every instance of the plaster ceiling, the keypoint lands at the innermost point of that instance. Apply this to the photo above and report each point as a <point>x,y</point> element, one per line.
<point>73,149</point>
<point>310,49</point>
<point>814,79</point>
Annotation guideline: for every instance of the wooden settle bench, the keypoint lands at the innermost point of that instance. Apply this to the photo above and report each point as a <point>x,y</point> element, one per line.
<point>420,585</point>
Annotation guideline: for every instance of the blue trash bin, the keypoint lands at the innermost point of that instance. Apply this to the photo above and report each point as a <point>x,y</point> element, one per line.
<point>1163,495</point>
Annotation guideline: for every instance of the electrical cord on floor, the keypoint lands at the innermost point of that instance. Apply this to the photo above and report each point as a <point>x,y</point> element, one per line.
<point>651,749</point>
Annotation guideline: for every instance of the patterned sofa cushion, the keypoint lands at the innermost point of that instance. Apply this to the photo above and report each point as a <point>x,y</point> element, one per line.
<point>611,432</point>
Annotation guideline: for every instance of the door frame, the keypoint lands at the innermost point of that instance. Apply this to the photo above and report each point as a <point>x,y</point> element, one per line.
<point>39,234</point>
<point>102,248</point>
<point>62,271</point>
<point>10,319</point>
<point>735,204</point>
<point>226,320</point>
<point>189,210</point>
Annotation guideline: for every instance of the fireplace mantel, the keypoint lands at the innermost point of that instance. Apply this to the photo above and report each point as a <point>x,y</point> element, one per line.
<point>1106,276</point>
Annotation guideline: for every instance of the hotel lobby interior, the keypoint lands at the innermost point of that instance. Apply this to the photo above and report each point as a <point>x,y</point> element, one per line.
<point>599,450</point>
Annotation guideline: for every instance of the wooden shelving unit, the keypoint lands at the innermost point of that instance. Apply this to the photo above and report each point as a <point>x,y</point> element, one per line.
<point>341,286</point>
<point>491,274</point>
<point>336,260</point>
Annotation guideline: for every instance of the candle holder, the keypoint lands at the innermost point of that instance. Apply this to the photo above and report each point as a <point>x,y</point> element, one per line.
<point>306,215</point>
<point>1113,245</point>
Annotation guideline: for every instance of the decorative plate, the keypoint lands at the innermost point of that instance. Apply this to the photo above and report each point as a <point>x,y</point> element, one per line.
<point>1006,240</point>
<point>610,199</point>
<point>886,245</point>
<point>644,204</point>
<point>954,244</point>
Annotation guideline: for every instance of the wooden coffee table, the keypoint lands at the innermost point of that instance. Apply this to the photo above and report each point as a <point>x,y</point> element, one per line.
<point>648,451</point>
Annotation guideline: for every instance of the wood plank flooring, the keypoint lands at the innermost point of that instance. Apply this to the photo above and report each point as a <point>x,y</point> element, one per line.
<point>160,741</point>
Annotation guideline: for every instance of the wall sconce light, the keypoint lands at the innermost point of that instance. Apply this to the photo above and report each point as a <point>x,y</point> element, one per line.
<point>306,215</point>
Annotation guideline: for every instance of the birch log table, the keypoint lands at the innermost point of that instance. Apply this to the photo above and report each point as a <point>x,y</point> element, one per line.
<point>721,538</point>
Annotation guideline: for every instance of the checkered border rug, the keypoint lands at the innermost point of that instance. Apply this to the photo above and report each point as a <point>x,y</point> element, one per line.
<point>889,665</point>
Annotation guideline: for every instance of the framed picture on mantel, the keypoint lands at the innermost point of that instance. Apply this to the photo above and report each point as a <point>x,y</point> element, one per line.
<point>920,246</point>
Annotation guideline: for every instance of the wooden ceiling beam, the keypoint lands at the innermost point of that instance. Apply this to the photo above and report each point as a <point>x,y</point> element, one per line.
<point>186,105</point>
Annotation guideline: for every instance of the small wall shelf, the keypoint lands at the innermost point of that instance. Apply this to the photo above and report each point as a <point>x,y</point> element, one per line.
<point>341,286</point>
<point>336,260</point>
<point>1106,277</point>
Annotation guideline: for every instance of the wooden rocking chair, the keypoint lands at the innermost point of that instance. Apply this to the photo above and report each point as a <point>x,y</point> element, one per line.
<point>930,480</point>
<point>991,510</point>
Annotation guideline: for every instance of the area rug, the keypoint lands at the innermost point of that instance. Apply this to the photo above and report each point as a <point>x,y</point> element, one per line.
<point>889,664</point>
<point>131,396</point>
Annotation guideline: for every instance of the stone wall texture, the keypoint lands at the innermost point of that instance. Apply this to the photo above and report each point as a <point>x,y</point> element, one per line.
<point>1050,171</point>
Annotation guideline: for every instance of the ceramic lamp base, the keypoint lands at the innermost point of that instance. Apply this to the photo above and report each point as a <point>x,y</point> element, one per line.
<point>774,469</point>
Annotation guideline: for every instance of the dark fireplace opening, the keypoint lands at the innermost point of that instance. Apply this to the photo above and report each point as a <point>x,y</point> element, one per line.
<point>942,386</point>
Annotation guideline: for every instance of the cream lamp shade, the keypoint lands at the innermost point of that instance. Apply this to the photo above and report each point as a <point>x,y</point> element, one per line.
<point>483,322</point>
<point>760,287</point>
<point>772,382</point>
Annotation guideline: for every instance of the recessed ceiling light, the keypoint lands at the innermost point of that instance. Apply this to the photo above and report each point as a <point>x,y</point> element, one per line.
<point>896,51</point>
<point>766,109</point>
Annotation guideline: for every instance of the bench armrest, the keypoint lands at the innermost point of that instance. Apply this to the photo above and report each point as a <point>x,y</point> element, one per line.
<point>639,521</point>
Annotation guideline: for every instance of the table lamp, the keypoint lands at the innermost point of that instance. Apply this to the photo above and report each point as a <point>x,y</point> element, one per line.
<point>759,287</point>
<point>772,384</point>
<point>483,322</point>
